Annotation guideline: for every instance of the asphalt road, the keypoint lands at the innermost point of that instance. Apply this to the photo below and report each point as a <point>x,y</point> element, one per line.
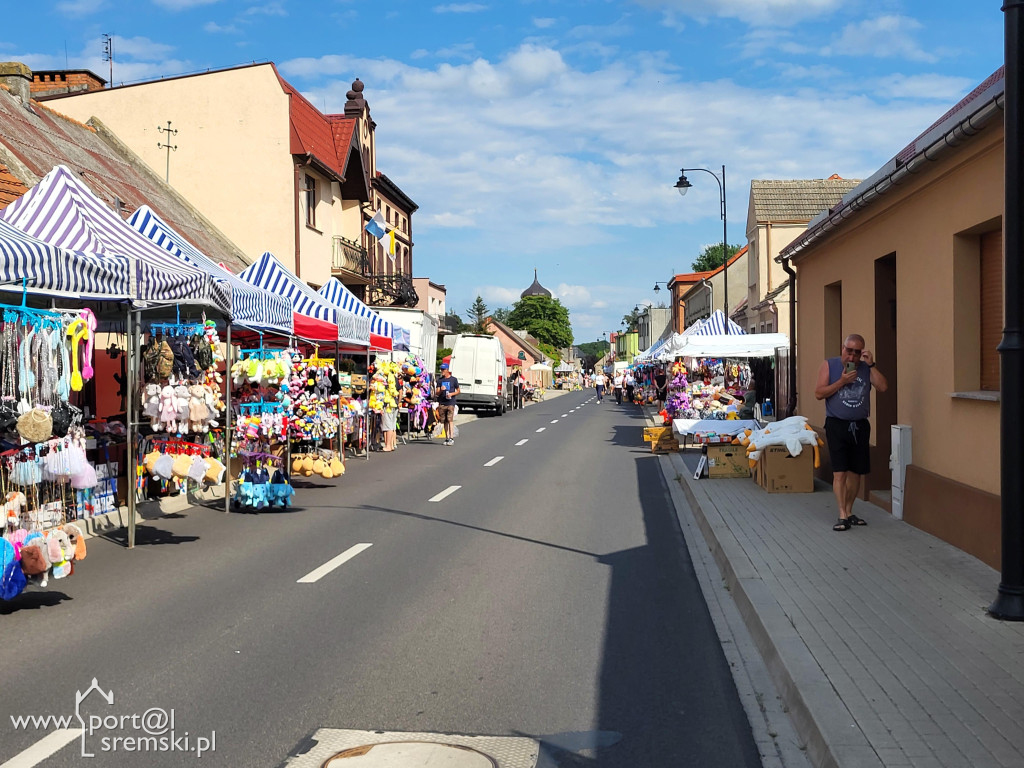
<point>550,595</point>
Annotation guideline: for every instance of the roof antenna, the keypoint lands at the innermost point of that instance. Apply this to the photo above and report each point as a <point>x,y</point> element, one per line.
<point>108,55</point>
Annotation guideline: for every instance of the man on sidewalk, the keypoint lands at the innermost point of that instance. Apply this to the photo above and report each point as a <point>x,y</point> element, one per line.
<point>446,392</point>
<point>844,383</point>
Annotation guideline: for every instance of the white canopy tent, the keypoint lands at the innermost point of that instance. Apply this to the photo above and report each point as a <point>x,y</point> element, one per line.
<point>731,345</point>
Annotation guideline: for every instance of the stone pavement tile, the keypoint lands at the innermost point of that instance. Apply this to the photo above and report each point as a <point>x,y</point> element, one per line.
<point>893,757</point>
<point>859,757</point>
<point>996,744</point>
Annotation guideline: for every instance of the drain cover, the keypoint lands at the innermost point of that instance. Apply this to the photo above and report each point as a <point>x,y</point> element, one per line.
<point>343,748</point>
<point>404,754</point>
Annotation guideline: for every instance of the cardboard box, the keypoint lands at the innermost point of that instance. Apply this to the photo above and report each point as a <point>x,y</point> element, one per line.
<point>653,434</point>
<point>727,461</point>
<point>778,472</point>
<point>664,444</point>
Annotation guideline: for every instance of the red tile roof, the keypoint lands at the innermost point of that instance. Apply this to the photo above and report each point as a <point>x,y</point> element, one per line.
<point>315,134</point>
<point>11,187</point>
<point>696,277</point>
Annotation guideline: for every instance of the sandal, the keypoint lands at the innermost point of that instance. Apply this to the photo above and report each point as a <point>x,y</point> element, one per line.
<point>842,525</point>
<point>854,520</point>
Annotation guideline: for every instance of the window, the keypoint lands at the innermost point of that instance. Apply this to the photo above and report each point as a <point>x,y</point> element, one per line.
<point>770,327</point>
<point>388,217</point>
<point>310,190</point>
<point>991,307</point>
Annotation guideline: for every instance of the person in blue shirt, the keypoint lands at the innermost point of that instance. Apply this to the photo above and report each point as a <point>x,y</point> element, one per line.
<point>845,383</point>
<point>445,392</point>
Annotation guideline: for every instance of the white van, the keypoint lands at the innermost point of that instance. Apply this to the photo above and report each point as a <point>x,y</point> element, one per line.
<point>478,362</point>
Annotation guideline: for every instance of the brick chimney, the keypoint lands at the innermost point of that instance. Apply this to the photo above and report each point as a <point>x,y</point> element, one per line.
<point>54,82</point>
<point>18,78</point>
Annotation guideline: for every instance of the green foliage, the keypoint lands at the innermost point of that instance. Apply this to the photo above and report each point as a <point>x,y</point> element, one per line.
<point>711,257</point>
<point>632,319</point>
<point>478,314</point>
<point>595,348</point>
<point>543,318</point>
<point>501,314</point>
<point>441,355</point>
<point>552,353</point>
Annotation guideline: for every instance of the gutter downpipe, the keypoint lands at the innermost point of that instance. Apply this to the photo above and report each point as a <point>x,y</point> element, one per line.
<point>791,403</point>
<point>711,298</point>
<point>298,261</point>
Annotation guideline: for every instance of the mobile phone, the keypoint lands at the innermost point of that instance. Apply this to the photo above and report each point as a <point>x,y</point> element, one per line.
<point>851,367</point>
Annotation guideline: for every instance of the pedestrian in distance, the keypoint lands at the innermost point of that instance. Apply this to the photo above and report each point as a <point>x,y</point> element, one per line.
<point>446,392</point>
<point>845,383</point>
<point>630,386</point>
<point>517,387</point>
<point>600,380</point>
<point>661,387</point>
<point>618,381</point>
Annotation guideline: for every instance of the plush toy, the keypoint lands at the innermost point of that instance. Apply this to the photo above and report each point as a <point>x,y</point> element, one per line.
<point>168,409</point>
<point>152,406</point>
<point>198,413</point>
<point>182,398</point>
<point>13,507</point>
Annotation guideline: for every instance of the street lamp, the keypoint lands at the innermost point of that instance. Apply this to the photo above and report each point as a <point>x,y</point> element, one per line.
<point>657,285</point>
<point>683,185</point>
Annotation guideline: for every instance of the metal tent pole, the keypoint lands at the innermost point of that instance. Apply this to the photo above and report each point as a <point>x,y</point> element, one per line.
<point>131,381</point>
<point>366,410</point>
<point>341,439</point>
<point>227,422</point>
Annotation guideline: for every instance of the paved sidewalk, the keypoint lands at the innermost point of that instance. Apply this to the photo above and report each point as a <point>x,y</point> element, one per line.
<point>877,637</point>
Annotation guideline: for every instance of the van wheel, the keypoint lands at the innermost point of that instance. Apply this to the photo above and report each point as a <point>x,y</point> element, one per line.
<point>499,410</point>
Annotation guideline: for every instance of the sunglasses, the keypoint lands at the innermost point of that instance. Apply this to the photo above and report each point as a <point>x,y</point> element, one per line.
<point>854,352</point>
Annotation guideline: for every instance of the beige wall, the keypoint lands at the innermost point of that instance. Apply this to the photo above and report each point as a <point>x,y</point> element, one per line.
<point>233,160</point>
<point>432,298</point>
<point>765,241</point>
<point>919,222</point>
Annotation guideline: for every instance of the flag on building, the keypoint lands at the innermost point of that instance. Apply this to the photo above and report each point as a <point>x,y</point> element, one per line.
<point>387,242</point>
<point>377,226</point>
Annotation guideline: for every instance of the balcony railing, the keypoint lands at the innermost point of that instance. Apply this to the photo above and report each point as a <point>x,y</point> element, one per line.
<point>350,256</point>
<point>393,291</point>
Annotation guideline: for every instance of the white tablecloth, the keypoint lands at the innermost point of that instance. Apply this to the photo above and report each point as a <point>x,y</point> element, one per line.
<point>720,426</point>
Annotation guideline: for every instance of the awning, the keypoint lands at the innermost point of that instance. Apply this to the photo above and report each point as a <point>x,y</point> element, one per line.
<point>381,332</point>
<point>51,270</point>
<point>715,325</point>
<point>63,211</point>
<point>732,345</point>
<point>314,319</point>
<point>251,306</point>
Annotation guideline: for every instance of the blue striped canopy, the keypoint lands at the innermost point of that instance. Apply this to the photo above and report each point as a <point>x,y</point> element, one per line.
<point>251,306</point>
<point>340,296</point>
<point>63,211</point>
<point>715,325</point>
<point>270,274</point>
<point>52,270</point>
<point>401,338</point>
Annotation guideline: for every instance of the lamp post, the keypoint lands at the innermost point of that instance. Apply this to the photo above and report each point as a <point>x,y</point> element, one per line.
<point>683,185</point>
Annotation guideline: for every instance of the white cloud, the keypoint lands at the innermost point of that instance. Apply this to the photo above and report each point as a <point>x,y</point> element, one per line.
<point>180,5</point>
<point>460,8</point>
<point>929,86</point>
<point>544,22</point>
<point>274,8</point>
<point>446,219</point>
<point>497,296</point>
<point>883,37</point>
<point>215,28</point>
<point>756,12</point>
<point>81,7</point>
<point>573,295</point>
<point>137,48</point>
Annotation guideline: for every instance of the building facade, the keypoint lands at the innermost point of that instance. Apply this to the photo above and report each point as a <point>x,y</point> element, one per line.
<point>912,260</point>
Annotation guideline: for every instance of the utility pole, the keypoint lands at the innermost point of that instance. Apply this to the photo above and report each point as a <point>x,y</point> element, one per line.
<point>108,55</point>
<point>168,146</point>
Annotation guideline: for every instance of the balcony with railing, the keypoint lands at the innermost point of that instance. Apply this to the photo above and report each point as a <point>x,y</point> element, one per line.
<point>350,258</point>
<point>392,291</point>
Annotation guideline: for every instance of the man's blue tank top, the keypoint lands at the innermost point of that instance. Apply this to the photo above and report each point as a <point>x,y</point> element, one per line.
<point>852,402</point>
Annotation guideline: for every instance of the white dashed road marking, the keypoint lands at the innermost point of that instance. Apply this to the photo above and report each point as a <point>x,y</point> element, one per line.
<point>52,743</point>
<point>524,441</point>
<point>554,421</point>
<point>330,565</point>
<point>542,429</point>
<point>445,493</point>
<point>494,461</point>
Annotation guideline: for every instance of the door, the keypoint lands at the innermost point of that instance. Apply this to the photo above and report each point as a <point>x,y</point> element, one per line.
<point>885,349</point>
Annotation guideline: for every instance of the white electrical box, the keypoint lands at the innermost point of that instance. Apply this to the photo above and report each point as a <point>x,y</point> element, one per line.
<point>900,457</point>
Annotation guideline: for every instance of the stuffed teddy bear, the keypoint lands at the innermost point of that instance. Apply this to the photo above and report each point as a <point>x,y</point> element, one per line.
<point>168,409</point>
<point>152,406</point>
<point>198,414</point>
<point>182,399</point>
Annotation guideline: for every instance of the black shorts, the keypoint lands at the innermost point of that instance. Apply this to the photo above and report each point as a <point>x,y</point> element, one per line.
<point>849,445</point>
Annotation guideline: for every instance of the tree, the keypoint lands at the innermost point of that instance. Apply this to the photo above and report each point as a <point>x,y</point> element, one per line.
<point>478,315</point>
<point>543,318</point>
<point>442,353</point>
<point>632,319</point>
<point>501,314</point>
<point>711,257</point>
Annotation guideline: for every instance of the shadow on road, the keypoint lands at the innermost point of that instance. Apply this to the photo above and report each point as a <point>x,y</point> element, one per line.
<point>32,600</point>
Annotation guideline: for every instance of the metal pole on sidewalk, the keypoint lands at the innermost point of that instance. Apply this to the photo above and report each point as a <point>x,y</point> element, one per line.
<point>227,420</point>
<point>1009,603</point>
<point>131,374</point>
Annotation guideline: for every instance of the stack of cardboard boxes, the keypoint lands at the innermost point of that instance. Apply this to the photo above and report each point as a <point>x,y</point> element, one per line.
<point>778,472</point>
<point>662,439</point>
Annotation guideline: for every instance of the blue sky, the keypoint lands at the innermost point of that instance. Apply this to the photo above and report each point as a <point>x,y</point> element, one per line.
<point>549,133</point>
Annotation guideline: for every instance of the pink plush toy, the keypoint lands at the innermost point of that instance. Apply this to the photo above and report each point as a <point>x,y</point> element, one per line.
<point>168,409</point>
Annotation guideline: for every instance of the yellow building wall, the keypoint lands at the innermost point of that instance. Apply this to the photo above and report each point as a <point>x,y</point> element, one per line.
<point>233,157</point>
<point>918,222</point>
